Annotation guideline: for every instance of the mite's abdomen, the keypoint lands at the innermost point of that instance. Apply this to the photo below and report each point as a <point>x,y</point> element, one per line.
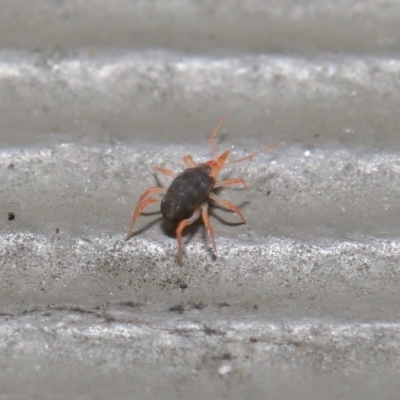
<point>187,191</point>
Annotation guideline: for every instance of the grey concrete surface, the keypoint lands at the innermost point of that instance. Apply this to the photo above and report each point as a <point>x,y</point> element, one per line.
<point>301,302</point>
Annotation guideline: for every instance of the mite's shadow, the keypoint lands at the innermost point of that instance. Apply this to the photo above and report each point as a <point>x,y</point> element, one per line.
<point>158,181</point>
<point>231,213</point>
<point>169,228</point>
<point>149,224</point>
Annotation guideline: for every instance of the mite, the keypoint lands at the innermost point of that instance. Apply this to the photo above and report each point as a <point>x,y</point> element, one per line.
<point>188,197</point>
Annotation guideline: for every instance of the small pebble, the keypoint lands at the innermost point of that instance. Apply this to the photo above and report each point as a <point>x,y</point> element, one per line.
<point>225,368</point>
<point>11,216</point>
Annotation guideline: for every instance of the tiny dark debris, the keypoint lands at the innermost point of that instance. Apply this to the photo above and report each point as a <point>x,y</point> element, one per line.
<point>66,307</point>
<point>129,303</point>
<point>178,308</point>
<point>255,307</point>
<point>10,166</point>
<point>268,192</point>
<point>226,356</point>
<point>253,339</point>
<point>223,304</point>
<point>31,311</point>
<point>108,318</point>
<point>183,286</point>
<point>11,216</point>
<point>5,314</point>
<point>209,331</point>
<point>198,305</point>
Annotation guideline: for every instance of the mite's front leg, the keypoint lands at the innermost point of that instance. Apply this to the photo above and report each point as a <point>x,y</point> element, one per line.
<point>182,225</point>
<point>210,230</point>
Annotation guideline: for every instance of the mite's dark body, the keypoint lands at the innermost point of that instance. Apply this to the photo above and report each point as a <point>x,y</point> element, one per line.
<point>187,192</point>
<point>186,200</point>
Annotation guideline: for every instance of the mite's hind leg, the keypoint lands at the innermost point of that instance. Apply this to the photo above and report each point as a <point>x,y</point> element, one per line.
<point>188,161</point>
<point>139,209</point>
<point>182,225</point>
<point>230,182</point>
<point>227,204</point>
<point>154,189</point>
<point>166,171</point>
<point>210,230</point>
<point>212,137</point>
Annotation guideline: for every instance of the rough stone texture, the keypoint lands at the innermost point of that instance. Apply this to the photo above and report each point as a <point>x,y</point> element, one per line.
<point>300,302</point>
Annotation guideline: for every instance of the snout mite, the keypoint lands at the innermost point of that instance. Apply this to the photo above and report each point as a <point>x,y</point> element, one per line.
<point>190,192</point>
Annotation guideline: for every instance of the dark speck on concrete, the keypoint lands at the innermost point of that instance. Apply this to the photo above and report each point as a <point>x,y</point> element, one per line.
<point>209,331</point>
<point>226,356</point>
<point>129,303</point>
<point>180,308</point>
<point>11,216</point>
<point>177,308</point>
<point>198,305</point>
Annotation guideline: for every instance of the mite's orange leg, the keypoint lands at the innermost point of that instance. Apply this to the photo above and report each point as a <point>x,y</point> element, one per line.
<point>212,137</point>
<point>188,161</point>
<point>230,182</point>
<point>250,156</point>
<point>166,171</point>
<point>154,189</point>
<point>227,204</point>
<point>138,210</point>
<point>182,225</point>
<point>210,230</point>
